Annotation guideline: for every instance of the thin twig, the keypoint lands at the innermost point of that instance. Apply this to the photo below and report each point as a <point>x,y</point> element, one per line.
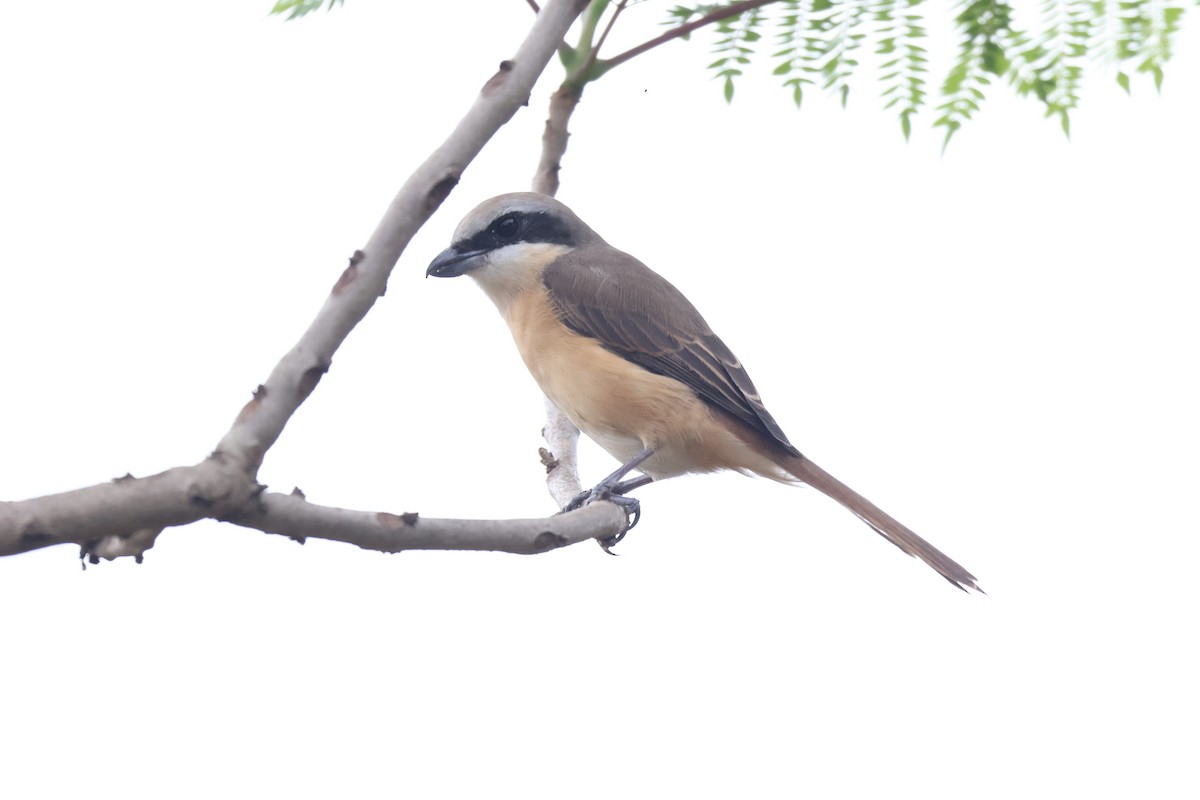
<point>607,28</point>
<point>731,10</point>
<point>579,76</point>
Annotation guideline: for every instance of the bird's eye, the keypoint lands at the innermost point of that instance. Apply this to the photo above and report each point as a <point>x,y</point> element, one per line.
<point>506,227</point>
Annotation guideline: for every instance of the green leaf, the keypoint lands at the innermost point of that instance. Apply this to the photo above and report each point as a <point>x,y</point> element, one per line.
<point>1123,82</point>
<point>298,8</point>
<point>994,59</point>
<point>728,88</point>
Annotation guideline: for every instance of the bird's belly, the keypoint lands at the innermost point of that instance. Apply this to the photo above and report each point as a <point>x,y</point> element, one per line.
<point>670,457</point>
<point>617,403</point>
<point>620,446</point>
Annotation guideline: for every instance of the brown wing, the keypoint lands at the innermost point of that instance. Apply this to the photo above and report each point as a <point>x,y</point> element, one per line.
<point>636,313</point>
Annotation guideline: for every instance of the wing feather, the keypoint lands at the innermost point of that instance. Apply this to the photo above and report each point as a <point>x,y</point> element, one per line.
<point>634,312</point>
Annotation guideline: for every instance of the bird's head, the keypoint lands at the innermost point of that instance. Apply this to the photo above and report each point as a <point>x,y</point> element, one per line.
<point>506,242</point>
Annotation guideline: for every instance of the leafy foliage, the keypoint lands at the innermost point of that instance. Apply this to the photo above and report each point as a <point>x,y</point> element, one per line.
<point>734,47</point>
<point>984,26</point>
<point>904,72</point>
<point>818,42</point>
<point>298,8</point>
<point>1051,66</point>
<point>794,49</point>
<point>1147,30</point>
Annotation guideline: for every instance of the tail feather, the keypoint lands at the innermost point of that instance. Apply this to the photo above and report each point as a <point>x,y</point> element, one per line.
<point>881,522</point>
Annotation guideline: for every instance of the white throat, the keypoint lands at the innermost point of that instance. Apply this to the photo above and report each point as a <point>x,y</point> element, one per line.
<point>514,269</point>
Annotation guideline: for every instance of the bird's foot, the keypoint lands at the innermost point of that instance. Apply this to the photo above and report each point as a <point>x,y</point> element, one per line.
<point>630,505</point>
<point>633,513</point>
<point>613,490</point>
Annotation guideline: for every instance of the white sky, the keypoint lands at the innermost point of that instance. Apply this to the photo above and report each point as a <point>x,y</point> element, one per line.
<point>998,346</point>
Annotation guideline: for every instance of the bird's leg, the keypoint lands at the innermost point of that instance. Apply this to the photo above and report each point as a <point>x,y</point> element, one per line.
<point>625,487</point>
<point>612,485</point>
<point>612,489</point>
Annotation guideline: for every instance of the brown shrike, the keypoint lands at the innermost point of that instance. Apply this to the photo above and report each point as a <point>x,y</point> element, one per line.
<point>631,362</point>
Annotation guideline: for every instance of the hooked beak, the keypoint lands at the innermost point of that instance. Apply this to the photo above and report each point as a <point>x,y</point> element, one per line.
<point>450,263</point>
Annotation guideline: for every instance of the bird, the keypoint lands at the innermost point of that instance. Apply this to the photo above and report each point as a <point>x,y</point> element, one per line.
<point>632,363</point>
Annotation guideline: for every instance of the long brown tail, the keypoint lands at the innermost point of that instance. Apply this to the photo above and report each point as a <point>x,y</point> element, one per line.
<point>881,522</point>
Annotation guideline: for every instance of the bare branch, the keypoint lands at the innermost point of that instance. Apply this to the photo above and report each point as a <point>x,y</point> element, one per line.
<point>608,28</point>
<point>554,138</point>
<point>365,278</point>
<point>731,10</point>
<point>562,466</point>
<point>293,516</point>
<point>125,516</point>
<point>124,507</point>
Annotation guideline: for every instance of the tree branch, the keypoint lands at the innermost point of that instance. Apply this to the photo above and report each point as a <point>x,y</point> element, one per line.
<point>731,10</point>
<point>124,517</point>
<point>123,507</point>
<point>127,514</point>
<point>261,422</point>
<point>564,50</point>
<point>562,465</point>
<point>292,516</point>
<point>608,28</point>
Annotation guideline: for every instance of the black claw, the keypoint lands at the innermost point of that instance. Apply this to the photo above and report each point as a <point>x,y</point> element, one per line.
<point>631,506</point>
<point>633,514</point>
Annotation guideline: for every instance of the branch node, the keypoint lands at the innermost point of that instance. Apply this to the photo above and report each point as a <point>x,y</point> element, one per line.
<point>200,500</point>
<point>253,405</point>
<point>497,80</point>
<point>396,521</point>
<point>548,459</point>
<point>440,191</point>
<point>35,537</point>
<point>115,546</point>
<point>346,279</point>
<point>548,540</point>
<point>311,377</point>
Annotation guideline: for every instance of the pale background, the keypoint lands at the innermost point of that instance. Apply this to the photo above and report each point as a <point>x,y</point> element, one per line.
<point>997,345</point>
